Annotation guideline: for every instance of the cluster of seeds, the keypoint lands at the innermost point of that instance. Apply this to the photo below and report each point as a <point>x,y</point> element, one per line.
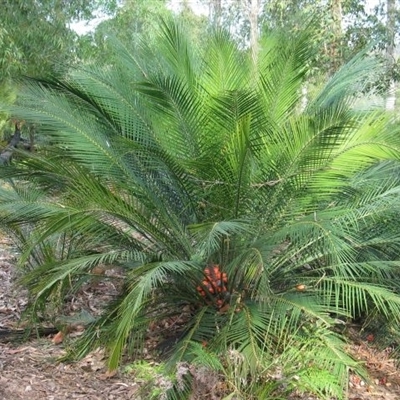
<point>214,285</point>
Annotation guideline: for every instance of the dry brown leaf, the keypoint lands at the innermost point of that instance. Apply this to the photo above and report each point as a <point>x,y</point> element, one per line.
<point>58,338</point>
<point>224,309</point>
<point>99,270</point>
<point>108,374</point>
<point>19,350</point>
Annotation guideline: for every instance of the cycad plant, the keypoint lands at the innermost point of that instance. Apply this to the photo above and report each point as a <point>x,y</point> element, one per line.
<point>198,170</point>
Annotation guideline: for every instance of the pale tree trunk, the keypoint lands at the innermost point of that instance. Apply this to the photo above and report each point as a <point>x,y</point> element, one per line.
<point>253,18</point>
<point>391,31</point>
<point>251,8</point>
<point>215,12</point>
<point>335,51</point>
<point>304,97</point>
<point>390,101</point>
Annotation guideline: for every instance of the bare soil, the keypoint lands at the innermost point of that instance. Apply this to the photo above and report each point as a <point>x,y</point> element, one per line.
<point>32,370</point>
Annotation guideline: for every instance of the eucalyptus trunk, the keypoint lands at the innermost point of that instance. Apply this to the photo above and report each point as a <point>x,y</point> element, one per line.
<point>215,12</point>
<point>253,18</point>
<point>337,32</point>
<point>390,56</point>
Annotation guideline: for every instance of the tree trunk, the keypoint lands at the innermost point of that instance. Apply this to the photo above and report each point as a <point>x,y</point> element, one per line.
<point>391,32</point>
<point>6,154</point>
<point>253,18</point>
<point>304,97</point>
<point>31,137</point>
<point>215,12</point>
<point>335,46</point>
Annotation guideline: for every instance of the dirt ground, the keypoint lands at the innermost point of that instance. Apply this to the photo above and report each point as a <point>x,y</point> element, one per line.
<point>31,370</point>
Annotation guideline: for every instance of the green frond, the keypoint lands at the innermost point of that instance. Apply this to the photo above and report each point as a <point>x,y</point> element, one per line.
<point>344,86</point>
<point>360,296</point>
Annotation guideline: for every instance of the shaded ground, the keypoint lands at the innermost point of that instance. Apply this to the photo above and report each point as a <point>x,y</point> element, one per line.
<point>384,380</point>
<point>31,370</point>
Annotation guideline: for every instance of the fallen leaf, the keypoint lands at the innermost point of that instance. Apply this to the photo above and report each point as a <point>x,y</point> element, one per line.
<point>58,338</point>
<point>224,309</point>
<point>16,351</point>
<point>108,374</point>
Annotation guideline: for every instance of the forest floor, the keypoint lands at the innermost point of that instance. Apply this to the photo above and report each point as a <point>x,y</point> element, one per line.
<point>32,369</point>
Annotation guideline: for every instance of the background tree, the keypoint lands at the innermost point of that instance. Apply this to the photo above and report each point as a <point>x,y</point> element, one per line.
<point>133,20</point>
<point>253,12</point>
<point>337,33</point>
<point>36,40</point>
<point>215,12</point>
<point>391,12</point>
<point>35,36</point>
